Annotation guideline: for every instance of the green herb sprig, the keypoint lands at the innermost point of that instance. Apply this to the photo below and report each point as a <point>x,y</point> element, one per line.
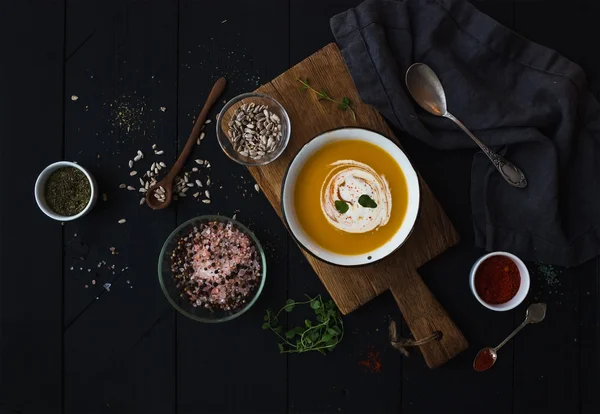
<point>321,334</point>
<point>344,104</point>
<point>366,201</point>
<point>341,206</point>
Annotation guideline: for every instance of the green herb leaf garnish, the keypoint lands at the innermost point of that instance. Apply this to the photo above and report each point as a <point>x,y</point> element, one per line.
<point>320,335</point>
<point>341,206</point>
<point>321,95</point>
<point>366,201</point>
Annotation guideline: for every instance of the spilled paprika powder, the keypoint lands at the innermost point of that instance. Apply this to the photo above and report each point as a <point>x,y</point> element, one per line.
<point>497,280</point>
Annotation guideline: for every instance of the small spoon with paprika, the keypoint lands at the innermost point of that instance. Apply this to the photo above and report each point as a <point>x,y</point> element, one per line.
<point>486,358</point>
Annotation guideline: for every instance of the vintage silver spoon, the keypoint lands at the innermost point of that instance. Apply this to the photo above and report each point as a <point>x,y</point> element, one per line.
<point>535,313</point>
<point>427,90</point>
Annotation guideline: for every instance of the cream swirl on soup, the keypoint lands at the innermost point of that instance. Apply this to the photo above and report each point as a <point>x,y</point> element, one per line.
<point>347,182</point>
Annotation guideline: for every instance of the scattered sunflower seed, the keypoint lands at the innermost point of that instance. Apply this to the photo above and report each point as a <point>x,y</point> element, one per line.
<point>199,183</point>
<point>162,164</point>
<point>122,221</point>
<point>161,152</point>
<point>142,200</point>
<point>196,195</point>
<point>208,181</point>
<point>208,121</point>
<point>206,201</point>
<point>257,188</point>
<point>202,135</point>
<point>130,163</point>
<point>153,146</point>
<point>122,186</point>
<point>130,188</point>
<point>199,162</point>
<point>234,216</point>
<point>163,108</point>
<point>195,169</point>
<point>132,173</point>
<point>207,194</point>
<point>74,97</point>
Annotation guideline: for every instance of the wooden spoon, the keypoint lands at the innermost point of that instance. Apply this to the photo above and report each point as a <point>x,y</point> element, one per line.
<point>167,182</point>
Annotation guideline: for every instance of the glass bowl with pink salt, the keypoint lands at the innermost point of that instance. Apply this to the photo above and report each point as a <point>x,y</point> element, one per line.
<point>212,269</point>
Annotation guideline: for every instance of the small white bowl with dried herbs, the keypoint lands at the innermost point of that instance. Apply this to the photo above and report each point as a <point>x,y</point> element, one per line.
<point>65,191</point>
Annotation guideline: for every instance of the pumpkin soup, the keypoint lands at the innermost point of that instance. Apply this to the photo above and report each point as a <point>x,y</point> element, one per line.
<point>343,197</point>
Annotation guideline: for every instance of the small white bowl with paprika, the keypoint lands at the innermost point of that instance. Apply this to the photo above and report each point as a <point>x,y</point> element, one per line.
<point>499,281</point>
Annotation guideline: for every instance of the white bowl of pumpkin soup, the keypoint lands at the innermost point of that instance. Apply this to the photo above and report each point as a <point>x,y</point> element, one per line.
<point>350,196</point>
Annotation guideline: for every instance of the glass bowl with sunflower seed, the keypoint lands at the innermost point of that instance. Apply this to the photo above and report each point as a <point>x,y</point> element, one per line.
<point>253,129</point>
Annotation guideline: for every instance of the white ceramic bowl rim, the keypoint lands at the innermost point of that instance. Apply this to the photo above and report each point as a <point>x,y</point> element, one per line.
<point>40,189</point>
<point>289,182</point>
<point>523,288</point>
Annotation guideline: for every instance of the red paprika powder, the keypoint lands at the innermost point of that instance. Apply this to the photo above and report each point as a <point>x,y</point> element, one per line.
<point>484,360</point>
<point>497,280</point>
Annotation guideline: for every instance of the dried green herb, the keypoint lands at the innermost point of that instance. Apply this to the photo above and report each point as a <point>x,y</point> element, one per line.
<point>321,334</point>
<point>68,191</point>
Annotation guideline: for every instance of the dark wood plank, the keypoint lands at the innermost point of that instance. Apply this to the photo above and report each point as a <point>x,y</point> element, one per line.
<point>589,340</point>
<point>235,366</point>
<point>458,387</point>
<point>119,344</point>
<point>31,106</point>
<point>559,386</point>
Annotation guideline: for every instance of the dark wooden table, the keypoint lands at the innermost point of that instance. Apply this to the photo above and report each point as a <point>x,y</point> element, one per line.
<point>68,348</point>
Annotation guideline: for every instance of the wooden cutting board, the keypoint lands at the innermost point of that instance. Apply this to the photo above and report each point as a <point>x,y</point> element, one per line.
<point>433,232</point>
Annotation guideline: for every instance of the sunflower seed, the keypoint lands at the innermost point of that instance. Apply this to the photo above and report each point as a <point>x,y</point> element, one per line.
<point>161,152</point>
<point>195,169</point>
<point>208,181</point>
<point>122,221</point>
<point>208,121</point>
<point>207,194</point>
<point>257,188</point>
<point>190,184</point>
<point>142,200</point>
<point>162,164</point>
<point>74,97</point>
<point>130,163</point>
<point>137,158</point>
<point>199,183</point>
<point>206,201</point>
<point>234,216</point>
<point>153,146</point>
<point>142,182</point>
<point>195,195</point>
<point>199,162</point>
<point>122,186</point>
<point>132,173</point>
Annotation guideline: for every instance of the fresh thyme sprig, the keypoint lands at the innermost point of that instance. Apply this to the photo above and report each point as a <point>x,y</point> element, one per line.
<point>320,335</point>
<point>344,104</point>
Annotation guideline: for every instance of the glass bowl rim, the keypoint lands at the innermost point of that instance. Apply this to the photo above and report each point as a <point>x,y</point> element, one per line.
<point>237,98</point>
<point>245,230</point>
